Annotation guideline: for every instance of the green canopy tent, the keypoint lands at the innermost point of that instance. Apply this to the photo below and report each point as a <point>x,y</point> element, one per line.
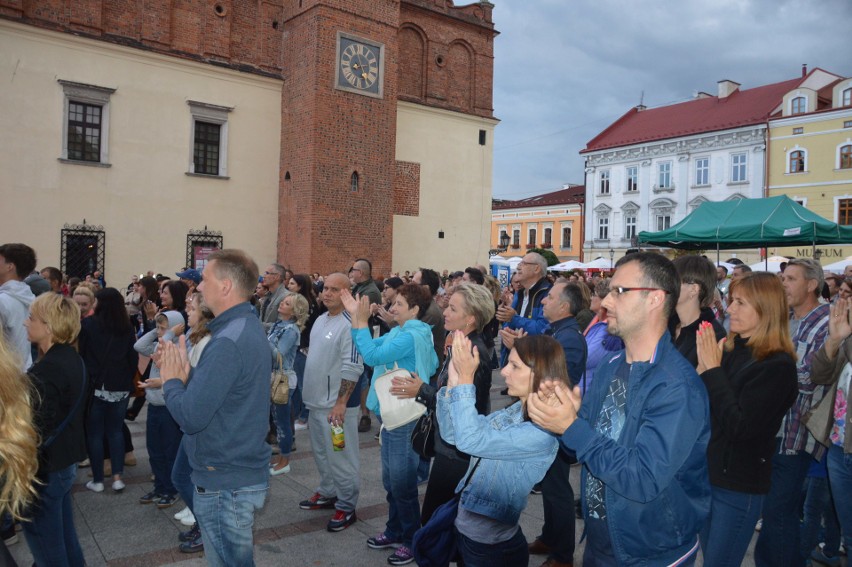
<point>749,223</point>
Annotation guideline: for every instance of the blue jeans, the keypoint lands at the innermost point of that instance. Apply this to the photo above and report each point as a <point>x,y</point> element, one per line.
<point>818,505</point>
<point>840,477</point>
<point>509,553</point>
<point>283,426</point>
<point>181,478</point>
<point>299,410</point>
<point>730,527</point>
<point>778,542</point>
<point>106,419</point>
<point>51,535</point>
<point>226,518</point>
<point>399,477</point>
<point>163,435</point>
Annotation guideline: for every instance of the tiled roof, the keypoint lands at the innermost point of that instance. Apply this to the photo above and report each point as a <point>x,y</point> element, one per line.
<point>570,195</point>
<point>710,114</point>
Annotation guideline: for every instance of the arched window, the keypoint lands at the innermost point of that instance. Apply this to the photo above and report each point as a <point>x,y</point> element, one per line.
<point>353,182</point>
<point>798,105</point>
<point>797,161</point>
<point>846,157</point>
<point>846,97</point>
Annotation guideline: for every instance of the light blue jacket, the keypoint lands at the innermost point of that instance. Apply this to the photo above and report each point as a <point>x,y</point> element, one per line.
<point>284,338</point>
<point>410,347</point>
<point>515,453</point>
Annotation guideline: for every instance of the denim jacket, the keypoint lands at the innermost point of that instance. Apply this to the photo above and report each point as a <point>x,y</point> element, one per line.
<point>515,454</point>
<point>655,473</point>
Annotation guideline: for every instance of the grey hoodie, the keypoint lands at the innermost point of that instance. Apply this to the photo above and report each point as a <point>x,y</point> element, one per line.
<point>15,300</point>
<point>147,345</point>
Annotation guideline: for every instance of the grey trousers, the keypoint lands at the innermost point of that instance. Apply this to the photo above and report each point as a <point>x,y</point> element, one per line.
<point>339,470</point>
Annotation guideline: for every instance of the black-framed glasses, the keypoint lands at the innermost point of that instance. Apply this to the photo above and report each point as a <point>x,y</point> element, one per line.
<point>619,290</point>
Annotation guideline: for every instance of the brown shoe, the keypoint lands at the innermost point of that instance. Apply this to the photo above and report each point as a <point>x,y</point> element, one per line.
<point>554,563</point>
<point>129,459</point>
<point>538,547</point>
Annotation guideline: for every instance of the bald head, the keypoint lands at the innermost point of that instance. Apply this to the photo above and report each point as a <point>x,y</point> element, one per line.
<point>334,284</point>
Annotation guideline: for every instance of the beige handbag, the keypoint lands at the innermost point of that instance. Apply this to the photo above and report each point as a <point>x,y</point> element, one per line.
<point>280,383</point>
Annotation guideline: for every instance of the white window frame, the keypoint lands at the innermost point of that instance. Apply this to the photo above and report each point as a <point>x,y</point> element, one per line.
<point>837,152</point>
<point>705,171</point>
<point>631,224</point>
<point>86,94</point>
<point>631,177</point>
<point>605,182</point>
<point>796,148</point>
<point>213,114</point>
<point>846,97</point>
<point>530,229</point>
<point>566,245</point>
<point>804,100</point>
<point>660,173</point>
<point>603,227</point>
<point>735,166</point>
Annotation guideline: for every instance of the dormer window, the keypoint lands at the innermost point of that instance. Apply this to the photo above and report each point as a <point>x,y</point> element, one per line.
<point>799,105</point>
<point>846,97</point>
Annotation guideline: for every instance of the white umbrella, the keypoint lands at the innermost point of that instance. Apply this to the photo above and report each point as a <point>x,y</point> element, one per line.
<point>599,264</point>
<point>772,264</point>
<point>566,266</point>
<point>838,267</point>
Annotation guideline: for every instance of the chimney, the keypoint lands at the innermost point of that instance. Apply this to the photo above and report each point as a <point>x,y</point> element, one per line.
<point>701,94</point>
<point>640,107</point>
<point>804,69</point>
<point>727,88</point>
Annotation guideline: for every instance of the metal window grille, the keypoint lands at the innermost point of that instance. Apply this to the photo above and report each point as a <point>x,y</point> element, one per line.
<point>199,245</point>
<point>82,249</point>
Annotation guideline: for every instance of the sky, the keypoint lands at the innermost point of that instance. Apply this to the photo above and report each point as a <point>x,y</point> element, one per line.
<point>564,70</point>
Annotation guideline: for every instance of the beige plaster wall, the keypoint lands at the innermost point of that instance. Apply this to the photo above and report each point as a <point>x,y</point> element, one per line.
<point>455,189</point>
<point>145,201</point>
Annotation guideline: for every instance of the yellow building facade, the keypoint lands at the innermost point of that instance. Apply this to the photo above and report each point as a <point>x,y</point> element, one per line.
<point>552,221</point>
<point>810,159</point>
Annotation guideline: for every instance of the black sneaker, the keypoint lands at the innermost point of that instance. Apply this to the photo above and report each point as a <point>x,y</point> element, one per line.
<point>318,502</point>
<point>192,546</point>
<point>191,534</point>
<point>167,500</point>
<point>364,424</point>
<point>536,489</point>
<point>341,520</point>
<point>150,498</point>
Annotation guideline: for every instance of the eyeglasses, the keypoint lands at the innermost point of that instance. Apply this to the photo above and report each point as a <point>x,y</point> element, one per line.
<point>528,263</point>
<point>618,291</point>
<point>271,274</point>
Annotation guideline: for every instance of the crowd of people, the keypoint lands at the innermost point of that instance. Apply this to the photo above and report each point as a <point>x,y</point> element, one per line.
<point>699,406</point>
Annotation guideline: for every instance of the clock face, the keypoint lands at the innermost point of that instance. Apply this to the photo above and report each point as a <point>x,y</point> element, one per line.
<point>359,66</point>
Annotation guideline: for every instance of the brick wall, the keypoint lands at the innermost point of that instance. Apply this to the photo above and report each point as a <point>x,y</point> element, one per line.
<point>406,190</point>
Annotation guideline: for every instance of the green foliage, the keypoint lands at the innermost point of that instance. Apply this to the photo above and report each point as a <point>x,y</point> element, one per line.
<point>551,258</point>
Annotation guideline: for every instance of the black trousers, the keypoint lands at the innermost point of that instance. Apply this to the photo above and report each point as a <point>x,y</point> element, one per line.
<point>558,498</point>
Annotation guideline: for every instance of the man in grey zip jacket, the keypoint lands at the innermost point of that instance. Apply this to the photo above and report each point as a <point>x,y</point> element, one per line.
<point>331,391</point>
<point>16,262</point>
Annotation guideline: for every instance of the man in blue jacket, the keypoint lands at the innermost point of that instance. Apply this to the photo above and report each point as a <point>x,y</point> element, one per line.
<point>641,432</point>
<point>222,406</point>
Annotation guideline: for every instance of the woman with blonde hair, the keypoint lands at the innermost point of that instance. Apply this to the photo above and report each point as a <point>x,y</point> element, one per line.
<point>59,377</point>
<point>18,441</point>
<point>284,339</point>
<point>84,297</point>
<point>751,381</point>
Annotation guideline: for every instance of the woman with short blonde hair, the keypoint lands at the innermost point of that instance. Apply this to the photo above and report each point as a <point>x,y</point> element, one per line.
<point>59,377</point>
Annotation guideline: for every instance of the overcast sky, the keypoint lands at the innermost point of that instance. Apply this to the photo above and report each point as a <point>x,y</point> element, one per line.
<point>566,69</point>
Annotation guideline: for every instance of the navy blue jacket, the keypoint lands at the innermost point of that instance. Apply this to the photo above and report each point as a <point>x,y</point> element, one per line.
<point>567,332</point>
<point>655,475</point>
<point>224,407</point>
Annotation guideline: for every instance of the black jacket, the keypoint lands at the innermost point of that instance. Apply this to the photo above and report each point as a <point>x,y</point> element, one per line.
<point>685,342</point>
<point>110,359</point>
<point>481,381</point>
<point>748,400</point>
<point>58,379</point>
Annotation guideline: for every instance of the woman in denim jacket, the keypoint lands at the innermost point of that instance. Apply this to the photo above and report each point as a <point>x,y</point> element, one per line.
<point>514,454</point>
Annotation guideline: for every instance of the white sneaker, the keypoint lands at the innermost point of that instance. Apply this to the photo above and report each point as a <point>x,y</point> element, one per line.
<point>118,485</point>
<point>188,520</point>
<point>95,486</point>
<point>183,513</point>
<point>299,426</point>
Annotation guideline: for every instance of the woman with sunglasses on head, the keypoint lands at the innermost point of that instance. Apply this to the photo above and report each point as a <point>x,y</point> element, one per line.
<point>751,381</point>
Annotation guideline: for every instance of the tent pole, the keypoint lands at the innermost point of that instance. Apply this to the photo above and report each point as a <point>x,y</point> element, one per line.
<point>718,259</point>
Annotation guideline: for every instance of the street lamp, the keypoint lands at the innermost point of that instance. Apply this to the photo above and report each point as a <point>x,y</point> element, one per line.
<point>502,245</point>
<point>611,256</point>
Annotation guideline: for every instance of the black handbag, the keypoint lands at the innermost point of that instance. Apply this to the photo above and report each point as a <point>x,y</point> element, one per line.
<point>423,435</point>
<point>434,544</point>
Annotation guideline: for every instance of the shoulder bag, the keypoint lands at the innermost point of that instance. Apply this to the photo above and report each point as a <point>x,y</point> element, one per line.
<point>280,382</point>
<point>396,412</point>
<point>434,544</point>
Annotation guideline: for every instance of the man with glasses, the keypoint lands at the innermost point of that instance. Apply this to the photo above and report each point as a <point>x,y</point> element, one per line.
<point>641,431</point>
<point>361,278</point>
<point>526,315</point>
<point>273,281</point>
